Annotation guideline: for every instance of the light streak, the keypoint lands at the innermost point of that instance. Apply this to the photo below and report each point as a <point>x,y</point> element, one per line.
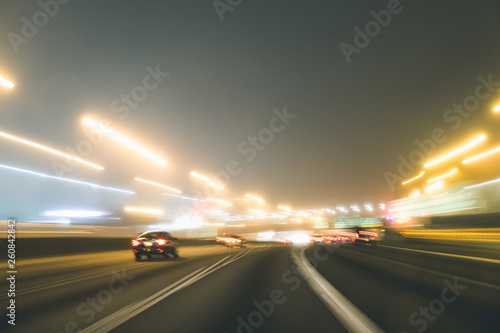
<point>457,151</point>
<point>119,137</point>
<point>443,176</point>
<point>409,180</point>
<point>158,184</point>
<point>66,179</point>
<point>50,150</point>
<point>208,180</point>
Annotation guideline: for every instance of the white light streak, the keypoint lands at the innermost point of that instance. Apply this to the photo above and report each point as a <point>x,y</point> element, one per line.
<point>220,201</point>
<point>6,83</point>
<point>159,185</point>
<point>66,179</point>
<point>144,210</point>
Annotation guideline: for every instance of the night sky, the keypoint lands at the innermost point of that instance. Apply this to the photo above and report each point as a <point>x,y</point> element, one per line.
<point>348,121</point>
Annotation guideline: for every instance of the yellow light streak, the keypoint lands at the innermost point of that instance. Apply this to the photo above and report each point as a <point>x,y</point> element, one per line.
<point>50,150</point>
<point>415,194</point>
<point>465,147</point>
<point>285,208</point>
<point>481,155</point>
<point>109,132</point>
<point>443,176</point>
<point>409,180</point>
<point>213,182</point>
<point>435,186</point>
<point>477,234</point>
<point>159,185</point>
<point>255,198</point>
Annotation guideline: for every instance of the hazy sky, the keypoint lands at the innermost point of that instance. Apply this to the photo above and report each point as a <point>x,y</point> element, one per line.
<point>349,117</point>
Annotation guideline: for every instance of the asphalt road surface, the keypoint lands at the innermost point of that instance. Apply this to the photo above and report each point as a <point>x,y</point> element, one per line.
<point>401,287</point>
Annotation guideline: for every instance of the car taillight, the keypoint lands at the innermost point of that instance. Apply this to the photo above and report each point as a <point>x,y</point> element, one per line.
<point>135,242</point>
<point>161,242</point>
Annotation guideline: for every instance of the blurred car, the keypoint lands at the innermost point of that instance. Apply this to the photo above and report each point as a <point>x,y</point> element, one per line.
<point>317,238</point>
<point>330,239</point>
<point>155,242</point>
<point>367,238</point>
<point>231,241</point>
<point>343,239</point>
<point>284,241</point>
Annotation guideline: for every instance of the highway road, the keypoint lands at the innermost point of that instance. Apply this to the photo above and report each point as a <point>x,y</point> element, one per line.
<point>393,287</point>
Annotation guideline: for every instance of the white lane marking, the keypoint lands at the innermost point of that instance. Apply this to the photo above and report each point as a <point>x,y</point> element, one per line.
<point>348,314</point>
<point>119,317</point>
<point>108,323</point>
<point>237,257</point>
<point>211,267</point>
<point>493,261</point>
<point>431,271</point>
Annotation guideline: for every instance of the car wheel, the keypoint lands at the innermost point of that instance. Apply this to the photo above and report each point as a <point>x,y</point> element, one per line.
<point>138,257</point>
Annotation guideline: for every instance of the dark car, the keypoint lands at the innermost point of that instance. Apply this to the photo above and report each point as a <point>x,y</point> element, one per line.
<point>368,238</point>
<point>154,242</point>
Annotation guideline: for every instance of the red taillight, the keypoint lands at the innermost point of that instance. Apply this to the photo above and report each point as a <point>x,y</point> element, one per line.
<point>161,242</point>
<point>135,242</point>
